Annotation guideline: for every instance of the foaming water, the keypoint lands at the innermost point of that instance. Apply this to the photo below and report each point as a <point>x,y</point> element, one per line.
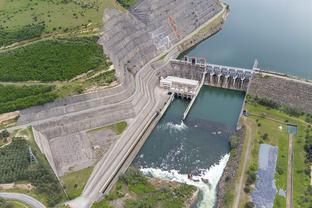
<point>213,174</point>
<point>173,127</point>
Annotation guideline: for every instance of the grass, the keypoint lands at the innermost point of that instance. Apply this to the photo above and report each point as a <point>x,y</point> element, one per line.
<point>18,204</point>
<point>52,17</point>
<point>56,15</point>
<point>118,128</point>
<point>267,123</point>
<point>52,60</point>
<point>74,183</point>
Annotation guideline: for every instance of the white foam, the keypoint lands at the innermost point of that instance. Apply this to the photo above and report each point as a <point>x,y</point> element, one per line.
<point>213,174</point>
<point>175,127</point>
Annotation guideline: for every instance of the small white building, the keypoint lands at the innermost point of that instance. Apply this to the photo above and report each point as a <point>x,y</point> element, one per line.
<point>180,86</point>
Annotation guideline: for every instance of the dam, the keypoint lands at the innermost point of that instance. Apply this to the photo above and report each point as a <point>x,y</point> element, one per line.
<point>214,75</point>
<point>186,77</point>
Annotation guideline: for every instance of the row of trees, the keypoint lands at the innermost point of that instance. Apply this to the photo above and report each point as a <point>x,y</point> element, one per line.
<point>51,60</point>
<point>272,104</point>
<point>22,103</point>
<point>13,92</point>
<point>14,161</point>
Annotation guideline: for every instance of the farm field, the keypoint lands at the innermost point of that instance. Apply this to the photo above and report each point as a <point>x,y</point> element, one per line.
<point>52,60</point>
<point>45,70</point>
<point>16,166</point>
<point>14,97</point>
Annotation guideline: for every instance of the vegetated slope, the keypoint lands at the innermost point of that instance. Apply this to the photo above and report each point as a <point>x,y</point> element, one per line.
<point>47,16</point>
<point>136,190</point>
<point>15,165</point>
<point>51,60</point>
<point>15,97</point>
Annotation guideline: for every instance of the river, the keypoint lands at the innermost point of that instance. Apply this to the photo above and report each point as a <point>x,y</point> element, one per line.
<point>199,145</point>
<point>279,34</point>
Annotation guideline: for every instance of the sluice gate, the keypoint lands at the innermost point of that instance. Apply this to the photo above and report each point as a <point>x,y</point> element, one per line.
<point>215,75</point>
<point>185,78</point>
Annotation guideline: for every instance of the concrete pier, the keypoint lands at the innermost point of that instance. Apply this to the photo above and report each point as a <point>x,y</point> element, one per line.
<point>194,98</point>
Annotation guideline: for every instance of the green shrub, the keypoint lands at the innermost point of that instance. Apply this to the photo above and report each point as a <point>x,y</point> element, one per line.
<point>249,205</point>
<point>127,3</point>
<point>247,189</point>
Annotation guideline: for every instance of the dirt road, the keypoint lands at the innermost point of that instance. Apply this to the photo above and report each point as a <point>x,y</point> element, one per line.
<point>289,192</point>
<point>245,159</point>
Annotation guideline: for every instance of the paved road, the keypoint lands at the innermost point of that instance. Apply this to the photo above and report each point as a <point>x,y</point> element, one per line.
<point>289,192</point>
<point>23,198</point>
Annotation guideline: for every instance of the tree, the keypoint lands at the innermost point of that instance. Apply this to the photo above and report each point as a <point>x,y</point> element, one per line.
<point>5,133</point>
<point>265,136</point>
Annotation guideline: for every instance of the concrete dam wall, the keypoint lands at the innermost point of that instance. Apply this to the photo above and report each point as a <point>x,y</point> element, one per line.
<point>215,75</point>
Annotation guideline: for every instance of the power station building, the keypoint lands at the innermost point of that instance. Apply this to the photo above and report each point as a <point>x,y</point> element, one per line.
<point>180,86</point>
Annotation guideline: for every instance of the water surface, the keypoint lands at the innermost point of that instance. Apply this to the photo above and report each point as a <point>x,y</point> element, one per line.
<point>276,32</point>
<point>199,145</point>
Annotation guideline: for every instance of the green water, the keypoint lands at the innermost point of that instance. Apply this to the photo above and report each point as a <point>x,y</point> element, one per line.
<point>278,33</point>
<point>198,142</point>
<point>199,145</point>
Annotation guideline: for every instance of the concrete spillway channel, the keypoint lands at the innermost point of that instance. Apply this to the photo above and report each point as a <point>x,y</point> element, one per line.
<point>194,98</point>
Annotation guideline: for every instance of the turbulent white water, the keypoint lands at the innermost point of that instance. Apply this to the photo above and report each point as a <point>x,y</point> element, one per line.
<point>213,174</point>
<point>173,127</point>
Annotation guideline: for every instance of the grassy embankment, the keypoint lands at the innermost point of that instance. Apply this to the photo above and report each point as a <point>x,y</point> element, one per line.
<point>17,167</point>
<point>135,190</point>
<point>74,183</point>
<point>12,204</point>
<point>268,125</point>
<point>118,128</point>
